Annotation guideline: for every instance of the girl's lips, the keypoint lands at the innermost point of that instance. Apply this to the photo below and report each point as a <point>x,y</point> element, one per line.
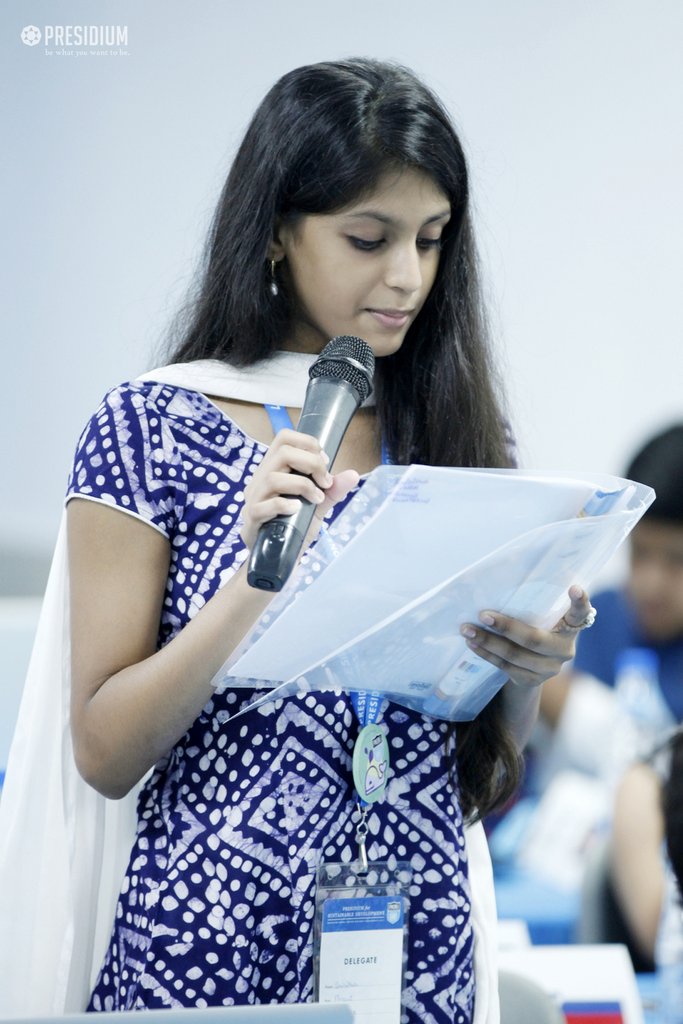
<point>393,319</point>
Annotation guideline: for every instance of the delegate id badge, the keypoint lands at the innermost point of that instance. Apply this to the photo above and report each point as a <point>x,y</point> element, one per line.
<point>360,942</point>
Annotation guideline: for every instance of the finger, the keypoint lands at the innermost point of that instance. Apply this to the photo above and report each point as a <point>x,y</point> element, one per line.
<point>279,505</point>
<point>518,675</point>
<point>262,512</point>
<point>292,484</point>
<point>291,439</point>
<point>342,484</point>
<point>579,609</point>
<point>518,633</point>
<point>295,439</point>
<point>513,658</point>
<point>287,440</point>
<point>289,458</point>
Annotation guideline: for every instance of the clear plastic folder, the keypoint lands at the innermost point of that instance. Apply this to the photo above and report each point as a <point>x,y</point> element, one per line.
<point>378,602</point>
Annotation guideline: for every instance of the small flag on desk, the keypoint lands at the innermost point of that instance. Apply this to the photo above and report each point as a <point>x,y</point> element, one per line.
<point>593,1013</point>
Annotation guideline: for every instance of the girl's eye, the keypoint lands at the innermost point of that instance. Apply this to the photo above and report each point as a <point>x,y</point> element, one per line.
<point>367,245</point>
<point>429,243</point>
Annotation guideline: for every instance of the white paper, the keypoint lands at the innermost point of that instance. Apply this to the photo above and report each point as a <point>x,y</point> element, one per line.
<point>418,552</point>
<point>361,962</point>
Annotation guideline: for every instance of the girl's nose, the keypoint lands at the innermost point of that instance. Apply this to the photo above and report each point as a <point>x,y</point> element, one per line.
<point>403,270</point>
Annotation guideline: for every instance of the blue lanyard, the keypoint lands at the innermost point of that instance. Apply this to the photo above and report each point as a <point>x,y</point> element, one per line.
<point>367,704</point>
<point>279,418</point>
<point>370,761</point>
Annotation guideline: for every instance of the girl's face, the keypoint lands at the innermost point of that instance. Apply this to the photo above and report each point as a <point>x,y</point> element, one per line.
<point>367,269</point>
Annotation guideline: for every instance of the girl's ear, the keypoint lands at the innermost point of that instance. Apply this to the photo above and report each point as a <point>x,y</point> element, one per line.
<point>276,249</point>
<point>285,235</point>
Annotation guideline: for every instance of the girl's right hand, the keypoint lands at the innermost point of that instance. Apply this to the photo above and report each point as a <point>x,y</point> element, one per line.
<point>130,702</point>
<point>294,466</point>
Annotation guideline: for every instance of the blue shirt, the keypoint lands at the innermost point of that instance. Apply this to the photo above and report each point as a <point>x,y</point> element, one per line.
<point>616,628</point>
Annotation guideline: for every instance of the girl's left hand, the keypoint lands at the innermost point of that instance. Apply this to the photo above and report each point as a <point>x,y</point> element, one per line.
<point>526,654</point>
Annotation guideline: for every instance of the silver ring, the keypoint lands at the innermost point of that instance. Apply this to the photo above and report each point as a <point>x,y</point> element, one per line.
<point>586,623</point>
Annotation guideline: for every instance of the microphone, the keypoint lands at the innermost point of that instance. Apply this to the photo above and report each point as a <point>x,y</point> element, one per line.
<point>340,381</point>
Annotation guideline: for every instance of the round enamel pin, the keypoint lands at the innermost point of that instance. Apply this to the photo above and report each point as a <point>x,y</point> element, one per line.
<point>371,763</point>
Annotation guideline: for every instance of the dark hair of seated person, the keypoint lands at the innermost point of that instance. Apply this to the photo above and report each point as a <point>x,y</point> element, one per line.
<point>673,809</point>
<point>659,464</point>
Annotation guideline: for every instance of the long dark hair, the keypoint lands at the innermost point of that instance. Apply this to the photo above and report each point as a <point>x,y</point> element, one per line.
<point>322,137</point>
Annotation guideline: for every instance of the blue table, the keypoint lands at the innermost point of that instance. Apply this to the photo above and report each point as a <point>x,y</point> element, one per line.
<point>551,914</point>
<point>648,986</point>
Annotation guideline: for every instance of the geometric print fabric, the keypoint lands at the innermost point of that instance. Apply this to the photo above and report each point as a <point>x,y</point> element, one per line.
<point>217,905</point>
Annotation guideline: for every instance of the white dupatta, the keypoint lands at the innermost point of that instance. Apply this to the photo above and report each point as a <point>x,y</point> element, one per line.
<point>63,847</point>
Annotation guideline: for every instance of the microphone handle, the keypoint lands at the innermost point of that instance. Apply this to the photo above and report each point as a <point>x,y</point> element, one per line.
<point>328,409</point>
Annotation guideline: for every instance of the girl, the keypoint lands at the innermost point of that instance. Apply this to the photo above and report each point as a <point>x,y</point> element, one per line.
<point>346,211</point>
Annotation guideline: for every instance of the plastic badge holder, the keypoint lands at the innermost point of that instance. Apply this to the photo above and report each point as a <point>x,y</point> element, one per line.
<point>360,938</point>
<point>378,602</point>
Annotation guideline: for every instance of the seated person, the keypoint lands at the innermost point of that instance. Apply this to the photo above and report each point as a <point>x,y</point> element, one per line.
<point>584,740</point>
<point>648,610</point>
<point>584,729</point>
<point>673,811</point>
<point>647,830</point>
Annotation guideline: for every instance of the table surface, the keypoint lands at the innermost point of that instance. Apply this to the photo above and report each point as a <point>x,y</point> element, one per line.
<point>648,986</point>
<point>550,913</point>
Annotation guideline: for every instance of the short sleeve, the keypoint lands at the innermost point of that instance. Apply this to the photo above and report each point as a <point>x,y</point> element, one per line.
<point>127,457</point>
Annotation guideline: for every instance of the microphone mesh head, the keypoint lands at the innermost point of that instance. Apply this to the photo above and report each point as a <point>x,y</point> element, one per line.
<point>347,358</point>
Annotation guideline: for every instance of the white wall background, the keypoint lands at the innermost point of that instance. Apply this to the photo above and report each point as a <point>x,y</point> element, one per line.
<point>571,114</point>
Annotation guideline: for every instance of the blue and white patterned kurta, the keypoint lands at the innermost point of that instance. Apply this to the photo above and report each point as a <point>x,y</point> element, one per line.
<point>217,906</point>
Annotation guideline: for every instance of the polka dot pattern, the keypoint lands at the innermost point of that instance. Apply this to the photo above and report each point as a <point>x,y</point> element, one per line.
<point>217,905</point>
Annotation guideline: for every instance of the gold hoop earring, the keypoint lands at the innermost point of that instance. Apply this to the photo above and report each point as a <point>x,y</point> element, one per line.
<point>274,290</point>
